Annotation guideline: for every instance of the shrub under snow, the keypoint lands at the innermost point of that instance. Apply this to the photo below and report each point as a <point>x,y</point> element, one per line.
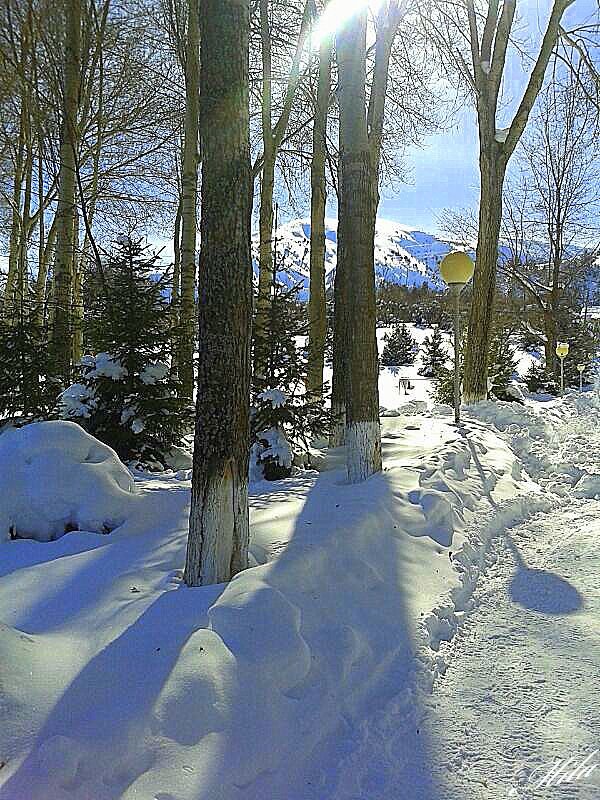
<point>57,478</point>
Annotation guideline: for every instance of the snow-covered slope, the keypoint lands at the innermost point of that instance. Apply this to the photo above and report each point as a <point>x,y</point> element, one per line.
<point>402,255</point>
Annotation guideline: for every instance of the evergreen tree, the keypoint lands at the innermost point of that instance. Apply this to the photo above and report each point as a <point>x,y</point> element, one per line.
<point>400,348</point>
<point>126,396</point>
<point>501,367</point>
<point>434,354</point>
<point>29,386</point>
<point>538,379</point>
<point>284,416</point>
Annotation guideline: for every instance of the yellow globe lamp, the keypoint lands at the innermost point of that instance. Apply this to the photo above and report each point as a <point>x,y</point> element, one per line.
<point>562,349</point>
<point>456,268</point>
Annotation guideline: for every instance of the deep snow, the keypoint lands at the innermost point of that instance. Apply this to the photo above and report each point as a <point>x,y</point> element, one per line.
<point>316,673</point>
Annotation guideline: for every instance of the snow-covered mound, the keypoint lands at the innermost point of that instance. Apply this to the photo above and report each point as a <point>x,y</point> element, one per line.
<point>402,255</point>
<point>55,477</point>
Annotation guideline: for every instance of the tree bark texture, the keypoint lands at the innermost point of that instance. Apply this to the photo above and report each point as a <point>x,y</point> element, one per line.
<point>317,308</point>
<point>218,535</point>
<point>189,183</point>
<point>357,209</point>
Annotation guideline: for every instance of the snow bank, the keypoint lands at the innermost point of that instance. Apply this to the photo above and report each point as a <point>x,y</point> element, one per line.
<point>55,477</point>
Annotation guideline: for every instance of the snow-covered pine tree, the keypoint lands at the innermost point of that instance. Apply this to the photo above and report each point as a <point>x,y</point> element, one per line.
<point>284,416</point>
<point>434,354</point>
<point>126,396</point>
<point>400,348</point>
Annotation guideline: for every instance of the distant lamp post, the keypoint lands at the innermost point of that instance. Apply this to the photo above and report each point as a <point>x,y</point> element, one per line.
<point>456,270</point>
<point>581,368</point>
<point>562,351</point>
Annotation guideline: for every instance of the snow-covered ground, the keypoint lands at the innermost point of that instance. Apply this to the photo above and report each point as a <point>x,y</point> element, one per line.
<point>346,663</point>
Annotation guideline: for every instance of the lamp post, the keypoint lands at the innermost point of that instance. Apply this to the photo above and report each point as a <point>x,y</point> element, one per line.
<point>456,270</point>
<point>581,368</point>
<point>562,350</point>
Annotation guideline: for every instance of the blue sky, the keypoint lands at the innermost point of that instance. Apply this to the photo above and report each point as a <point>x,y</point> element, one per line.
<point>444,170</point>
<point>444,175</point>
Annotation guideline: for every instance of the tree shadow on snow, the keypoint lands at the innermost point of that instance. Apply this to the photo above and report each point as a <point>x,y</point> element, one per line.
<point>107,707</point>
<point>343,568</point>
<point>541,590</point>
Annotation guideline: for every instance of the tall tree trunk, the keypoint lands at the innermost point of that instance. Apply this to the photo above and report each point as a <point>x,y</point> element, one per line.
<point>189,183</point>
<point>341,301</point>
<point>63,275</point>
<point>42,276</point>
<point>78,266</point>
<point>218,536</point>
<point>24,234</point>
<point>272,136</point>
<point>267,186</point>
<point>550,339</point>
<point>16,218</point>
<point>489,61</point>
<point>492,169</point>
<point>317,308</point>
<point>176,292</point>
<point>356,233</point>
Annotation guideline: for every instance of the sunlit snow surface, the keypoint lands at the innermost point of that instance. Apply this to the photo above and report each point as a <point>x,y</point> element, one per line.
<point>310,675</point>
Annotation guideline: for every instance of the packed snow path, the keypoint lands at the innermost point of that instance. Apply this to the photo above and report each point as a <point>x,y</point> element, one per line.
<point>520,691</point>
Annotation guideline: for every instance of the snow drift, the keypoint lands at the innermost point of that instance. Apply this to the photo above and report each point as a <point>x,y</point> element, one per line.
<point>54,477</point>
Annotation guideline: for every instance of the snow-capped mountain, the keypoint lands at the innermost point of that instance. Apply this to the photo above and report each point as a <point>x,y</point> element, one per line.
<point>403,255</point>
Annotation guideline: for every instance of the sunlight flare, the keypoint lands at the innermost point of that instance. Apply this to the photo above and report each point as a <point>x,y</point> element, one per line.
<point>337,13</point>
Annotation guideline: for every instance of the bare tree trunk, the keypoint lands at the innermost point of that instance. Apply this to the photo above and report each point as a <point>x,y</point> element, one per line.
<point>272,136</point>
<point>42,276</point>
<point>218,536</point>
<point>317,308</point>
<point>267,186</point>
<point>488,64</point>
<point>176,291</point>
<point>550,339</point>
<point>16,218</point>
<point>78,263</point>
<point>25,228</point>
<point>63,275</point>
<point>189,184</point>
<point>484,282</point>
<point>356,233</point>
<point>340,343</point>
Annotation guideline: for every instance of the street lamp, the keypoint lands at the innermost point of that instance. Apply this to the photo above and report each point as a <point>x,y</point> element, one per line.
<point>456,270</point>
<point>581,367</point>
<point>562,350</point>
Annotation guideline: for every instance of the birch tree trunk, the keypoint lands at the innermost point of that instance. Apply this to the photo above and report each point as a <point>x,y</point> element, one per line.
<point>61,337</point>
<point>317,309</point>
<point>218,536</point>
<point>189,184</point>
